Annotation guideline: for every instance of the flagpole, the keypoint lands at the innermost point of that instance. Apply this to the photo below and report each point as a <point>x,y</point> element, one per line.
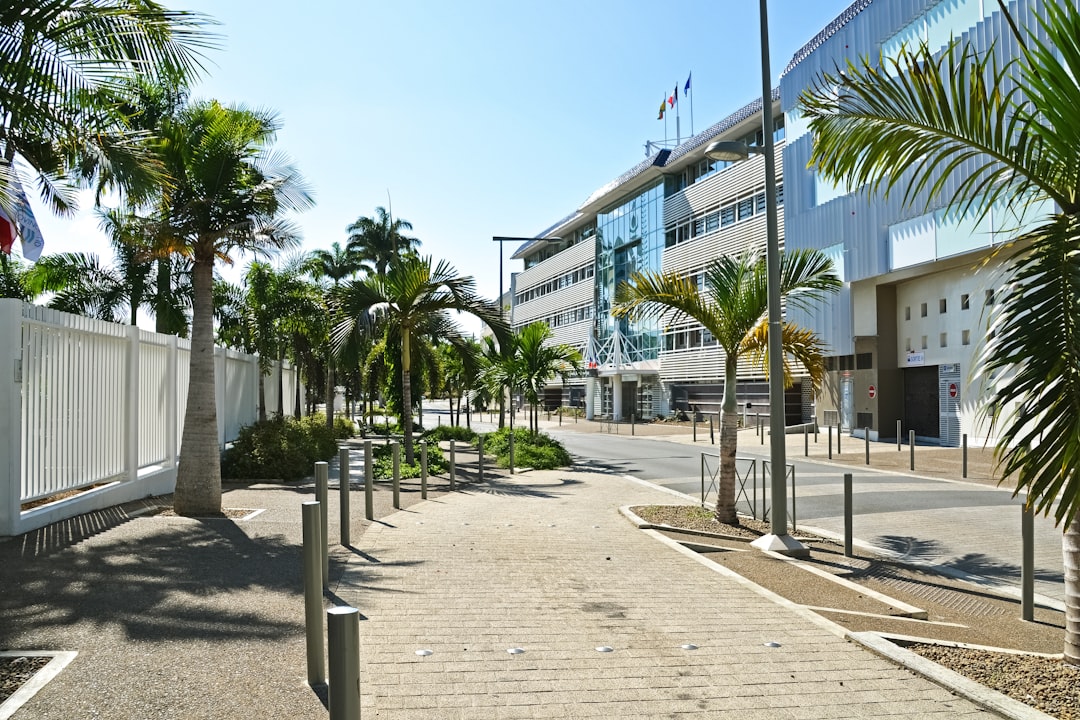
<point>691,114</point>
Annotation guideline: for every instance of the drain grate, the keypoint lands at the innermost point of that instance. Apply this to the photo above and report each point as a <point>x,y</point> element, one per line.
<point>959,600</point>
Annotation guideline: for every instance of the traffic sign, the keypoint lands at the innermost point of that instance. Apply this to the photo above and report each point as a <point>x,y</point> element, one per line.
<point>952,390</point>
<point>872,392</point>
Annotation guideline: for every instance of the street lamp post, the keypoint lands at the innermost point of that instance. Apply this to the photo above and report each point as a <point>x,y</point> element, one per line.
<point>778,540</point>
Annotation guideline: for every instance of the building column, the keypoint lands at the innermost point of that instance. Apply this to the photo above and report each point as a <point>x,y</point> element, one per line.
<point>616,397</point>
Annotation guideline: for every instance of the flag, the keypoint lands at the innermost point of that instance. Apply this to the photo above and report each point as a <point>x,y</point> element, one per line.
<point>663,107</point>
<point>671,101</point>
<point>26,224</point>
<point>686,90</point>
<point>676,96</point>
<point>7,233</point>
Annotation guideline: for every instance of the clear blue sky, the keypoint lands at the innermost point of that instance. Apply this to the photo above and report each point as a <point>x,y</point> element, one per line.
<point>480,117</point>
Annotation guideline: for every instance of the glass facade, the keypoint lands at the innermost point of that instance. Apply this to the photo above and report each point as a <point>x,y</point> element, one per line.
<point>630,238</point>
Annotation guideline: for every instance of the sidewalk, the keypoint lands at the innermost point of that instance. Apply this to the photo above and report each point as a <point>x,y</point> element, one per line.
<point>544,562</point>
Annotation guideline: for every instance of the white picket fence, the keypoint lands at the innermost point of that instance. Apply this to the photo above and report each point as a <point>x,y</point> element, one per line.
<point>85,403</point>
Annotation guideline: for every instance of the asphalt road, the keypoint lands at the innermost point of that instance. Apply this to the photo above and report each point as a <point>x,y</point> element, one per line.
<point>971,530</point>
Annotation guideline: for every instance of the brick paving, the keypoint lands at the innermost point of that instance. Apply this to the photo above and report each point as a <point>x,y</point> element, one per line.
<point>544,562</point>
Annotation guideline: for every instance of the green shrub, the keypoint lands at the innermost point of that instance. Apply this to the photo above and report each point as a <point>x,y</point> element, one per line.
<point>280,448</point>
<point>383,467</point>
<point>344,428</point>
<point>539,451</point>
<point>444,433</point>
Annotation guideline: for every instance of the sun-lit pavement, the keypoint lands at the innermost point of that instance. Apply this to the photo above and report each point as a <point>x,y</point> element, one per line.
<point>543,562</point>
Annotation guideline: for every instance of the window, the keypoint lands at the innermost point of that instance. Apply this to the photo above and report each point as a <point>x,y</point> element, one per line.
<point>924,345</point>
<point>746,208</point>
<point>922,310</point>
<point>989,298</point>
<point>944,339</point>
<point>727,216</point>
<point>864,361</point>
<point>965,337</point>
<point>965,302</point>
<point>907,312</point>
<point>759,202</point>
<point>780,195</point>
<point>907,344</point>
<point>942,306</point>
<point>712,221</point>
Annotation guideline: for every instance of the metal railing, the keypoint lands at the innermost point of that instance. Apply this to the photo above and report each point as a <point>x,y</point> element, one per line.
<point>746,490</point>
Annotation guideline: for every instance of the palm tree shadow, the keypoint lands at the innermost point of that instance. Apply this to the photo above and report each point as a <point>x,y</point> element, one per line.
<point>978,564</point>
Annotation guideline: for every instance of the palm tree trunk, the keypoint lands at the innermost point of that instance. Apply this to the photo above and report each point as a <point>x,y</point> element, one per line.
<point>198,477</point>
<point>262,393</point>
<point>406,394</point>
<point>729,439</point>
<point>330,392</point>
<point>281,383</point>
<point>1070,545</point>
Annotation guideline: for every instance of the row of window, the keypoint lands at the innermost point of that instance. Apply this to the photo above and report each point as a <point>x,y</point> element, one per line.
<point>556,247</point>
<point>943,340</point>
<point>687,339</point>
<point>943,305</point>
<point>574,276</point>
<point>728,213</point>
<point>568,317</point>
<point>706,168</point>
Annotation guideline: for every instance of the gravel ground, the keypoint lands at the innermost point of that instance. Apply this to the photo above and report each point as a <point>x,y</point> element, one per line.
<point>14,671</point>
<point>1044,683</point>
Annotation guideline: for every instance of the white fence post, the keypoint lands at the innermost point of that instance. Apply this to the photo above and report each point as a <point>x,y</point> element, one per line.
<point>10,414</point>
<point>172,401</point>
<point>131,424</point>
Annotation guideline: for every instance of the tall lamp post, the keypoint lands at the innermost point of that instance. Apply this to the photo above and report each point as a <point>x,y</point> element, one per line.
<point>778,540</point>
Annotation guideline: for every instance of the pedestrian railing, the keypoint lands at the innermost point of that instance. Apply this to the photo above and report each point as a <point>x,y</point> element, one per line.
<point>746,491</point>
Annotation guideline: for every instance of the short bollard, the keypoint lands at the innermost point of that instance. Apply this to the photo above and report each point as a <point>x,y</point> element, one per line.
<point>633,418</point>
<point>963,442</point>
<point>343,646</point>
<point>911,443</point>
<point>806,440</point>
<point>560,417</point>
<point>453,466</point>
<point>866,438</point>
<point>830,442</point>
<point>369,481</point>
<point>343,495</point>
<point>1027,563</point>
<point>694,423</point>
<point>761,429</point>
<point>848,550</point>
<point>815,431</point>
<point>480,454</point>
<point>838,434</point>
<point>423,471</point>
<point>322,474</point>
<point>313,597</point>
<point>899,437</point>
<point>396,455</point>
<point>712,434</point>
<point>511,452</point>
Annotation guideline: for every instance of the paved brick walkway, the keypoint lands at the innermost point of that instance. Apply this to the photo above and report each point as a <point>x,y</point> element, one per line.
<point>545,563</point>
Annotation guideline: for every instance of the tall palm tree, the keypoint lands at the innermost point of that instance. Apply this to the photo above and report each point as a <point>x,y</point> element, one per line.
<point>541,361</point>
<point>411,292</point>
<point>378,241</point>
<point>228,193</point>
<point>963,128</point>
<point>63,69</point>
<point>734,308</point>
<point>335,265</point>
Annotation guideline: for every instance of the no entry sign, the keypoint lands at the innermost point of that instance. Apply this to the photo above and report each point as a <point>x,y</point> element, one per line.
<point>952,390</point>
<point>872,392</point>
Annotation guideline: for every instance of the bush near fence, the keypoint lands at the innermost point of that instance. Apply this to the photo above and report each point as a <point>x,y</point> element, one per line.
<point>280,449</point>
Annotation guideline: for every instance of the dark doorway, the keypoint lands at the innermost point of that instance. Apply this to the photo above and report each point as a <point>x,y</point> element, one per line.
<point>921,401</point>
<point>629,399</point>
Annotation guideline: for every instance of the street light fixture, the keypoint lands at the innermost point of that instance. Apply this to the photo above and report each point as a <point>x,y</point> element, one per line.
<point>778,540</point>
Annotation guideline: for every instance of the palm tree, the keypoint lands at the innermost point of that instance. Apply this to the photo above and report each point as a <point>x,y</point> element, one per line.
<point>541,361</point>
<point>13,279</point>
<point>962,128</point>
<point>378,241</point>
<point>335,265</point>
<point>227,193</point>
<point>64,65</point>
<point>734,309</point>
<point>411,293</point>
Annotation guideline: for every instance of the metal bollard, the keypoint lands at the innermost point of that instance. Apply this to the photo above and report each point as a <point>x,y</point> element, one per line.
<point>313,597</point>
<point>343,495</point>
<point>1027,563</point>
<point>815,431</point>
<point>806,441</point>
<point>866,438</point>
<point>369,481</point>
<point>480,454</point>
<point>560,417</point>
<point>322,473</point>
<point>963,442</point>
<point>848,552</point>
<point>911,442</point>
<point>694,424</point>
<point>898,436</point>
<point>633,418</point>
<point>761,429</point>
<point>453,466</point>
<point>838,434</point>
<point>395,451</point>
<point>712,434</point>
<point>830,442</point>
<point>343,631</point>
<point>423,471</point>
